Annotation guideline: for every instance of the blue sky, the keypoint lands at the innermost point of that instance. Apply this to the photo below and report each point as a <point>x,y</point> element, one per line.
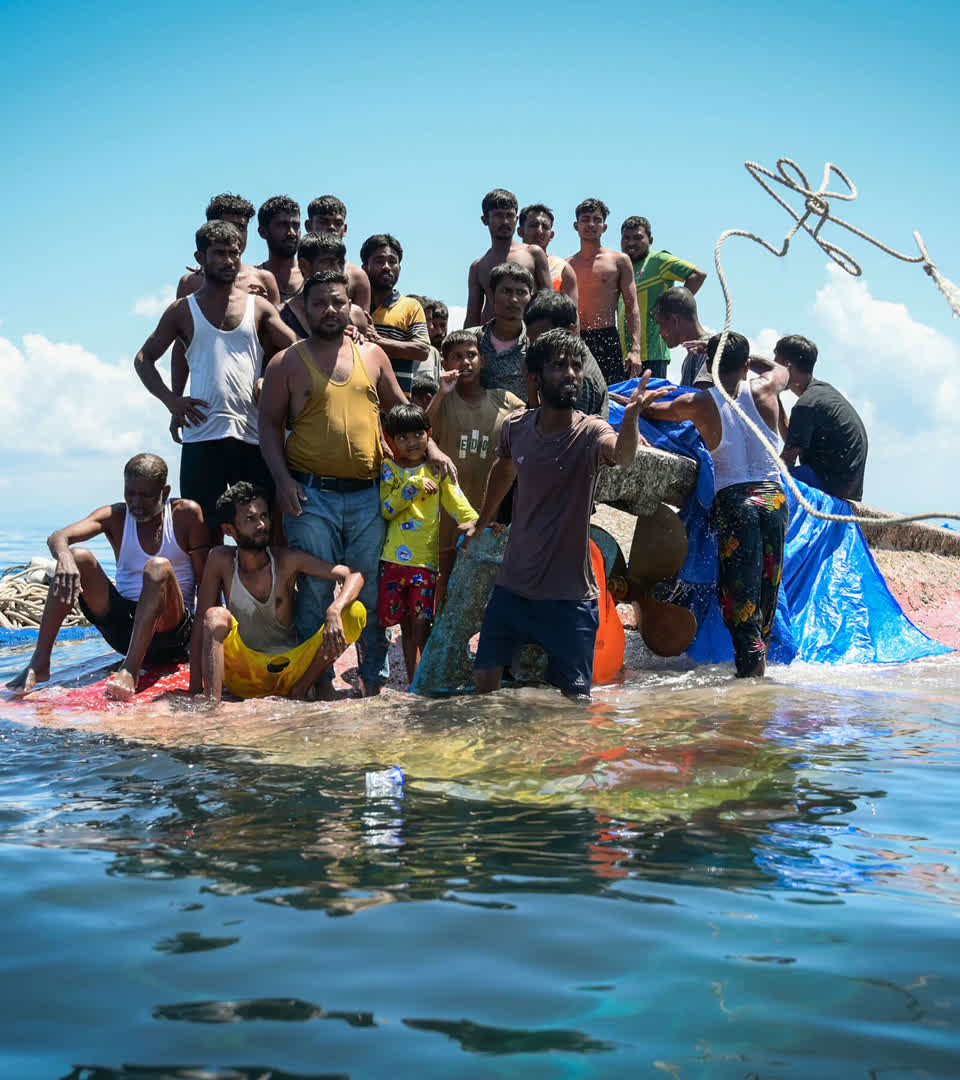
<point>121,123</point>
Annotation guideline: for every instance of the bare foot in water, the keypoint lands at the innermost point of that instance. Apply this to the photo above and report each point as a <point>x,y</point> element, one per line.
<point>27,680</point>
<point>121,686</point>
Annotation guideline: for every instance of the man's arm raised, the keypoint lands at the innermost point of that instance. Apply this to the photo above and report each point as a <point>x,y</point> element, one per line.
<point>390,394</point>
<point>274,407</point>
<point>695,279</point>
<point>169,328</point>
<point>622,450</point>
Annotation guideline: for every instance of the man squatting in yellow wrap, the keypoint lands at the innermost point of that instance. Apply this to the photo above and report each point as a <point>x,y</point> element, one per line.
<point>250,645</point>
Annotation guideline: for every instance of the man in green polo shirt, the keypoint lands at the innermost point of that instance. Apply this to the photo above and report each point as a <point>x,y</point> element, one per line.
<point>654,273</point>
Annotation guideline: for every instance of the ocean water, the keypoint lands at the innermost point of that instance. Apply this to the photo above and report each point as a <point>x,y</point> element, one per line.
<point>690,877</point>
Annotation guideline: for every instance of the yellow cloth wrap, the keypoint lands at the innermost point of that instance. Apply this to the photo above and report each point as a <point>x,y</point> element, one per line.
<point>251,674</point>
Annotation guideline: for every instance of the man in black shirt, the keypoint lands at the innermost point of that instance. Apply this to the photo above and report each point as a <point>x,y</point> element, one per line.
<point>825,431</point>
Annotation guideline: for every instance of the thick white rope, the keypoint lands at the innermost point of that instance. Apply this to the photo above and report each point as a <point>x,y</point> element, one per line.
<point>816,205</point>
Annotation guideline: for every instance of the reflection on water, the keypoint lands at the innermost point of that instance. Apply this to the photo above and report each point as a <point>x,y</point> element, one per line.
<point>691,876</point>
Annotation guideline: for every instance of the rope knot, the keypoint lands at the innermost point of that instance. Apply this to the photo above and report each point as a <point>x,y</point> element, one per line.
<point>817,204</point>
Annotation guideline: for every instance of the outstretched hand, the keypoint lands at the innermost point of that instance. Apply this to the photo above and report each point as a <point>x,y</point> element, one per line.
<point>641,397</point>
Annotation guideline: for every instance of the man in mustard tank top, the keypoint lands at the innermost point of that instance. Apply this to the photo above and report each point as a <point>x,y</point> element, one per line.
<point>329,393</point>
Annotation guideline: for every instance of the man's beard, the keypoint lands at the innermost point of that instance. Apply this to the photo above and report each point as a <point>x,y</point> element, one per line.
<point>252,543</point>
<point>224,277</point>
<point>327,332</point>
<point>285,250</point>
<point>560,398</point>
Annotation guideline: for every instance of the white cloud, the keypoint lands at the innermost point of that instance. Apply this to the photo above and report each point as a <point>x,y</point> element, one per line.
<point>58,398</point>
<point>152,307</point>
<point>902,377</point>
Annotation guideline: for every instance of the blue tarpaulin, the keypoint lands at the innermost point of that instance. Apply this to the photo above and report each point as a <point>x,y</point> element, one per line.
<point>834,607</point>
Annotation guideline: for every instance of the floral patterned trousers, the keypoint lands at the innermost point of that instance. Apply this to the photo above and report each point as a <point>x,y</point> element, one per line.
<point>751,523</point>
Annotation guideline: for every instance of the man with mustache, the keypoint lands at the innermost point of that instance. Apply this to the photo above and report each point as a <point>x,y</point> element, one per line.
<point>330,391</point>
<point>545,590</point>
<point>229,334</point>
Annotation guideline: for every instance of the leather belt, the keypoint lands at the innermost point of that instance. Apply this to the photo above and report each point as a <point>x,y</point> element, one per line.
<point>330,483</point>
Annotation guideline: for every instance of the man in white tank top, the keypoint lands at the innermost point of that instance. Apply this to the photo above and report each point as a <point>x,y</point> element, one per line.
<point>230,334</point>
<point>750,507</point>
<point>160,548</point>
<point>250,643</point>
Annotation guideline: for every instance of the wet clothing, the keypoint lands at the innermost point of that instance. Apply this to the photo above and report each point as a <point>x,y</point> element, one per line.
<point>405,591</point>
<point>224,367</point>
<point>750,516</point>
<point>548,553</point>
<point>248,673</point>
<point>831,438</point>
<point>741,456</point>
<point>131,560</point>
<point>116,628</point>
<point>337,433</point>
<point>751,523</point>
<point>208,468</point>
<point>604,344</point>
<point>401,318</point>
<point>653,275</point>
<point>468,434</point>
<point>414,518</point>
<point>256,620</point>
<point>341,527</point>
<point>566,631</point>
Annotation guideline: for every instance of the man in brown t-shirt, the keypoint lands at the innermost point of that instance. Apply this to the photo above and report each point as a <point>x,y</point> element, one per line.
<point>545,591</point>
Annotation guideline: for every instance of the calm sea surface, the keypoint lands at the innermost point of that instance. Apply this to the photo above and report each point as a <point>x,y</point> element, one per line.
<point>690,878</point>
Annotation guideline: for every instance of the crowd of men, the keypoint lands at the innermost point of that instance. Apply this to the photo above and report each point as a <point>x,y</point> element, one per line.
<point>345,442</point>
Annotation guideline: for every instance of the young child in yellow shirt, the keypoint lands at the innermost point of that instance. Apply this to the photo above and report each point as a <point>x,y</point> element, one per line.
<point>410,500</point>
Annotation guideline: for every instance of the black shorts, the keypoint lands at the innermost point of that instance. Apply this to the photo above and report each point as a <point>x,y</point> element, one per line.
<point>607,351</point>
<point>208,468</point>
<point>116,628</point>
<point>566,630</point>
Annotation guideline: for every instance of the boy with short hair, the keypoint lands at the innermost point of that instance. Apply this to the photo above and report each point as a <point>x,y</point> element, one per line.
<point>603,277</point>
<point>410,500</point>
<point>317,252</point>
<point>466,419</point>
<point>423,390</point>
<point>328,214</point>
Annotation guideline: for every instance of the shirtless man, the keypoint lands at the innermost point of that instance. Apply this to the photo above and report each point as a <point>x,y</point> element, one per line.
<point>535,226</point>
<point>278,222</point>
<point>160,549</point>
<point>327,214</point>
<point>252,279</point>
<point>316,252</point>
<point>500,216</point>
<point>255,625</point>
<point>229,335</point>
<point>603,276</point>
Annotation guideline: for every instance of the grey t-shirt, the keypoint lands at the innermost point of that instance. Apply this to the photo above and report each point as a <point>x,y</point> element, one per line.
<point>548,551</point>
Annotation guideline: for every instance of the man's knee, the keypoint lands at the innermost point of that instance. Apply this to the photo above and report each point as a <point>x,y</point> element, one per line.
<point>216,623</point>
<point>157,570</point>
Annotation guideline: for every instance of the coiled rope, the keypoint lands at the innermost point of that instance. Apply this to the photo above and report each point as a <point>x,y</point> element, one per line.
<point>816,207</point>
